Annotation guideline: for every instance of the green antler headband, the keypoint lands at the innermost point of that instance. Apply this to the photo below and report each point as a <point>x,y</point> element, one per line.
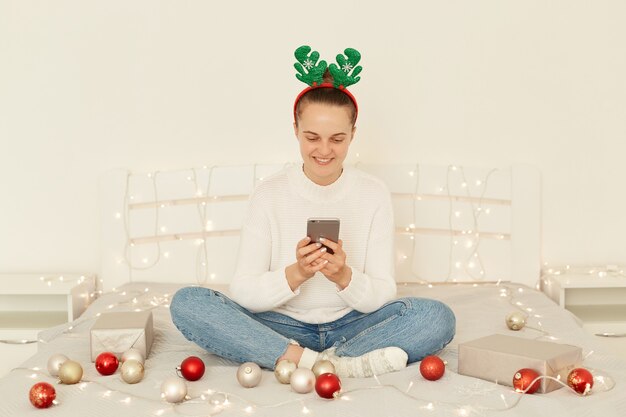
<point>311,72</point>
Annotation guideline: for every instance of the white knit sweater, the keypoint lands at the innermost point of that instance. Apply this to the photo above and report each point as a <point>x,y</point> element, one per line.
<point>277,220</point>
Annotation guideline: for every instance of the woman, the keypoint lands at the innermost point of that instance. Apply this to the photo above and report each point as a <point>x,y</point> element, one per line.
<point>293,299</point>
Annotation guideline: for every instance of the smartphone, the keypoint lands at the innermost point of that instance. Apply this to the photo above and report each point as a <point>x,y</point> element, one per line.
<point>326,227</point>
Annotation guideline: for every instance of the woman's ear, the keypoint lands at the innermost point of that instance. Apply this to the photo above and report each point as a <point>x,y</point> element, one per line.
<point>353,132</point>
<point>295,129</point>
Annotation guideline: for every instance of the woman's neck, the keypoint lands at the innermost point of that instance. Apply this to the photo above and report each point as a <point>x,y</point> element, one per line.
<point>323,181</point>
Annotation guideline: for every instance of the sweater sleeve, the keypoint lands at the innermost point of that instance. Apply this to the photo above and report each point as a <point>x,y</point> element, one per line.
<point>375,285</point>
<point>253,285</point>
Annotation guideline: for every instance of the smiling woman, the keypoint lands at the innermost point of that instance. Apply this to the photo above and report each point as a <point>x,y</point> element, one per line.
<point>291,299</point>
<point>325,133</point>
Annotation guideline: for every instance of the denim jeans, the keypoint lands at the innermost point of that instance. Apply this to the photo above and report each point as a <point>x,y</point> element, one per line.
<point>208,318</point>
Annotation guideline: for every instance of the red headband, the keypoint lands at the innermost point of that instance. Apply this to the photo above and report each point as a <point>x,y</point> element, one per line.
<point>325,85</point>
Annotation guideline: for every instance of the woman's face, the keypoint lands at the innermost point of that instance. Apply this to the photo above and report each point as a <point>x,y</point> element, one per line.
<point>324,132</point>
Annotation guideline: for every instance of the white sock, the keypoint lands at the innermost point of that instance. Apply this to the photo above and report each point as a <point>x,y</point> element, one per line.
<point>376,362</point>
<point>308,358</point>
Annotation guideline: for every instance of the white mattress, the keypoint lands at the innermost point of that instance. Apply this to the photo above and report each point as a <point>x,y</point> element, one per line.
<point>480,311</point>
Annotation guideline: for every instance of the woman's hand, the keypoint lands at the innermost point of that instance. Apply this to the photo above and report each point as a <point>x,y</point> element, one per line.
<point>334,265</point>
<point>307,263</point>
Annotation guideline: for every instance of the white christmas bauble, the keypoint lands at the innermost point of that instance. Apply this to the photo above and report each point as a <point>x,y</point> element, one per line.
<point>302,380</point>
<point>249,374</point>
<point>132,371</point>
<point>323,367</point>
<point>283,370</point>
<point>173,389</point>
<point>134,354</point>
<point>54,363</point>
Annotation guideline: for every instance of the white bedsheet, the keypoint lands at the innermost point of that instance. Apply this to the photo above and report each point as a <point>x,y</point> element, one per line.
<point>480,311</point>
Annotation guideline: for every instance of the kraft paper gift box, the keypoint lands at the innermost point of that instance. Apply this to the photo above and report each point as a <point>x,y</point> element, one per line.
<point>498,357</point>
<point>118,332</point>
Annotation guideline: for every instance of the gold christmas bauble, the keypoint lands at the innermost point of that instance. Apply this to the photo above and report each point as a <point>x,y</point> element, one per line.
<point>70,372</point>
<point>323,367</point>
<point>132,371</point>
<point>283,370</point>
<point>516,320</point>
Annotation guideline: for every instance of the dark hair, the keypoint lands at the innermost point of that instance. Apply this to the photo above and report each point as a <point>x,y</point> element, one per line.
<point>332,96</point>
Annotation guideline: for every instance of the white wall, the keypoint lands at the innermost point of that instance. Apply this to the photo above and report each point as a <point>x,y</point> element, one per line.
<point>87,86</point>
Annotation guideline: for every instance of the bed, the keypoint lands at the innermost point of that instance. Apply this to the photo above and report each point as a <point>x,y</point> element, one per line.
<point>469,237</point>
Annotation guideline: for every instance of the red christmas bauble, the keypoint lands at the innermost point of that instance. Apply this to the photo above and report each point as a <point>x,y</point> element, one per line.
<point>192,368</point>
<point>42,394</point>
<point>432,367</point>
<point>107,363</point>
<point>328,385</point>
<point>523,378</point>
<point>580,380</point>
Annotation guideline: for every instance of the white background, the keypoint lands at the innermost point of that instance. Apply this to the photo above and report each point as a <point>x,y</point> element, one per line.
<point>89,86</point>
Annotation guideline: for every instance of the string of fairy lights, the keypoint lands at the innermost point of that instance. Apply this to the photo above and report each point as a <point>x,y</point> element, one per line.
<point>473,234</point>
<point>216,401</point>
<point>472,266</point>
<point>213,402</point>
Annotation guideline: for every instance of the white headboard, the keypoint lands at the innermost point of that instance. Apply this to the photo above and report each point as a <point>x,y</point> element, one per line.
<point>453,223</point>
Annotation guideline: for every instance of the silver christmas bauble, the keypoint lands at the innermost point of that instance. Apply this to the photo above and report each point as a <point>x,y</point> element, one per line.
<point>70,372</point>
<point>323,367</point>
<point>302,380</point>
<point>132,371</point>
<point>249,374</point>
<point>54,363</point>
<point>515,320</point>
<point>283,370</point>
<point>173,389</point>
<point>134,354</point>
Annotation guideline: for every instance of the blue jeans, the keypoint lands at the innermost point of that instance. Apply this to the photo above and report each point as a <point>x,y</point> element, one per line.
<point>208,318</point>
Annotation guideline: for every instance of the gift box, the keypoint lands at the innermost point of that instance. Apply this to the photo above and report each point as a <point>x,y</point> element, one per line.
<point>118,332</point>
<point>498,357</point>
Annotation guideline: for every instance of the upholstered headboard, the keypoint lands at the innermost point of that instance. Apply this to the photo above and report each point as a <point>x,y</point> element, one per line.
<point>453,223</point>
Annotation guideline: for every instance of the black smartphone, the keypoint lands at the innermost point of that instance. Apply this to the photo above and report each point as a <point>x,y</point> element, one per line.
<point>326,227</point>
